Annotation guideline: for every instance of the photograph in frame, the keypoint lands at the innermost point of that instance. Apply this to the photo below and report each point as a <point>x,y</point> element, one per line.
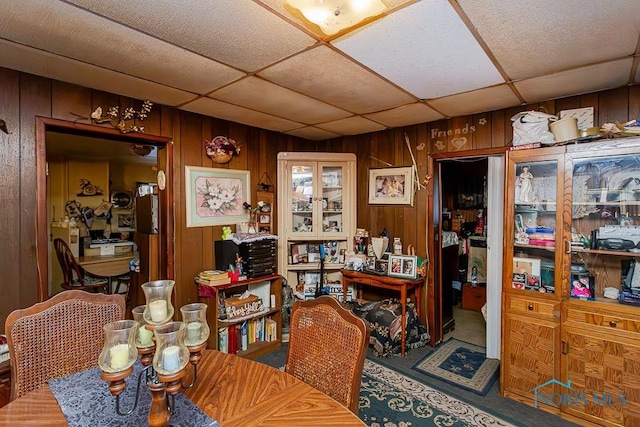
<point>391,186</point>
<point>216,196</point>
<point>404,266</point>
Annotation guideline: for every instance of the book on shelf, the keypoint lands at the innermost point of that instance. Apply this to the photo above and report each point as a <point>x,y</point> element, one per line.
<point>270,329</point>
<point>213,278</point>
<point>244,336</point>
<point>233,339</point>
<point>223,340</point>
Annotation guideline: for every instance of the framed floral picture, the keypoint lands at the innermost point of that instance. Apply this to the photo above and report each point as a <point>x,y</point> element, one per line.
<point>216,196</point>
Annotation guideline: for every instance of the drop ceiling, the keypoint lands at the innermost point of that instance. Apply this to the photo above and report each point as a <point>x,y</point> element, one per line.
<point>256,63</point>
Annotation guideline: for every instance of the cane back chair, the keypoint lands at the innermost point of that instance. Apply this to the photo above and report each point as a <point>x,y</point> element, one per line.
<point>327,348</point>
<point>58,337</point>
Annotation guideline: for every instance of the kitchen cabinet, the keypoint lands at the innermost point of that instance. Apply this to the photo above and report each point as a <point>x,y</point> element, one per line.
<point>316,215</point>
<point>571,281</point>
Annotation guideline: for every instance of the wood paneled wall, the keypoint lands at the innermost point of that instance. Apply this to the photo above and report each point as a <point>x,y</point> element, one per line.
<point>24,96</point>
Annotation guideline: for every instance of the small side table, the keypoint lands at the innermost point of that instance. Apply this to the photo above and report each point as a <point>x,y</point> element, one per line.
<point>386,282</point>
<point>473,297</point>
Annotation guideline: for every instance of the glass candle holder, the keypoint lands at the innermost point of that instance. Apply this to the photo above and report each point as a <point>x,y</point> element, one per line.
<point>144,337</point>
<point>194,316</point>
<point>171,354</point>
<point>119,350</point>
<point>158,309</point>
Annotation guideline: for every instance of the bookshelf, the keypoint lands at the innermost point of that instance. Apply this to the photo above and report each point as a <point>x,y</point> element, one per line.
<point>264,287</point>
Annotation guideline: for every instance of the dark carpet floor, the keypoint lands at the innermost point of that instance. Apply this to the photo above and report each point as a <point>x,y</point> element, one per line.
<point>512,411</point>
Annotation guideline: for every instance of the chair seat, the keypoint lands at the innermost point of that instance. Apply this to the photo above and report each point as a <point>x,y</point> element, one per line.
<point>95,281</point>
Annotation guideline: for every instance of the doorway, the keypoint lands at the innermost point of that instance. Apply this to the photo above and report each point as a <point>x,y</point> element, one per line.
<point>68,151</point>
<point>469,212</point>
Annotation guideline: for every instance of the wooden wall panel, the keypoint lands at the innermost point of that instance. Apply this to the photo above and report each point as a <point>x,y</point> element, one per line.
<point>10,229</point>
<point>35,100</point>
<point>613,105</point>
<point>25,96</point>
<point>190,242</point>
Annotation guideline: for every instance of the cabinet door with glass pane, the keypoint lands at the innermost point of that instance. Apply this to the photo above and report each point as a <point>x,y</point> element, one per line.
<point>302,198</point>
<point>605,226</point>
<point>533,222</point>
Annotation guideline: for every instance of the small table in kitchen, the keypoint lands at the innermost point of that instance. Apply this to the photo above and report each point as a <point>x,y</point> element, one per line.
<point>386,282</point>
<point>107,265</point>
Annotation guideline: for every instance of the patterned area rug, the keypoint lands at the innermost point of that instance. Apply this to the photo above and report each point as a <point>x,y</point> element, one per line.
<point>461,364</point>
<point>390,399</point>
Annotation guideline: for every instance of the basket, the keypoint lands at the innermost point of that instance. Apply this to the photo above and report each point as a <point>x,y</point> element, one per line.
<point>220,156</point>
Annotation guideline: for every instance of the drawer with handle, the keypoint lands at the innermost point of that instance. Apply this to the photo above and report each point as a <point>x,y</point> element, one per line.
<point>522,305</point>
<point>605,319</point>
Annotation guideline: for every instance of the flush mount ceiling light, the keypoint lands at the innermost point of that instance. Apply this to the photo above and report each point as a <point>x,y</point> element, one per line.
<point>142,150</point>
<point>333,16</point>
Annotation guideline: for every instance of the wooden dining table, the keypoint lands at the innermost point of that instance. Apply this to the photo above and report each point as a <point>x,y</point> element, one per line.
<point>231,390</point>
<point>107,265</point>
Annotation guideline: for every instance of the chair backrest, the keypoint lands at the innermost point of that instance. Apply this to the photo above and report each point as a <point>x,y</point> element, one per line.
<point>327,348</point>
<point>71,271</point>
<point>58,337</point>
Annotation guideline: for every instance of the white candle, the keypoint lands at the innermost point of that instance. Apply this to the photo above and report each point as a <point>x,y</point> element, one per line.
<point>144,336</point>
<point>119,356</point>
<point>193,331</point>
<point>171,358</point>
<point>158,310</point>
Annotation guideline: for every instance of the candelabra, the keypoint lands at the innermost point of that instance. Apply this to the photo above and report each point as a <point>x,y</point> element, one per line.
<point>165,348</point>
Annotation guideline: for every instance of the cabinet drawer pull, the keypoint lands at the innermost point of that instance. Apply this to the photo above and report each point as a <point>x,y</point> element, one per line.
<point>613,323</point>
<point>530,306</point>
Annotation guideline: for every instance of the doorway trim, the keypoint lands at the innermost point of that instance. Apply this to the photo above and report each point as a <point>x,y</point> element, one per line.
<point>163,143</point>
<point>494,290</point>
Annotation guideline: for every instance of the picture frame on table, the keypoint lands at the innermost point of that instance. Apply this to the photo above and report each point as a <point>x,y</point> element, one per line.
<point>403,266</point>
<point>391,186</point>
<point>216,196</point>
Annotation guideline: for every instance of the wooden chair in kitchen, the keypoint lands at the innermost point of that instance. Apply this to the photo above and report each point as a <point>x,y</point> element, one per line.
<point>58,337</point>
<point>327,348</point>
<point>74,277</point>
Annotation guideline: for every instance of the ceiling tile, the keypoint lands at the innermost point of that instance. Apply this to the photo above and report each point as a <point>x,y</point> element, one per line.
<point>326,75</point>
<point>424,48</point>
<point>531,39</point>
<point>352,126</point>
<point>241,34</point>
<point>261,95</point>
<point>215,108</point>
<point>477,101</point>
<point>40,63</point>
<point>405,115</point>
<point>110,45</point>
<point>313,133</point>
<point>583,80</point>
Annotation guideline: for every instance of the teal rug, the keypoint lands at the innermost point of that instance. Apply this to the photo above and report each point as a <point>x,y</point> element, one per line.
<point>391,399</point>
<point>461,364</point>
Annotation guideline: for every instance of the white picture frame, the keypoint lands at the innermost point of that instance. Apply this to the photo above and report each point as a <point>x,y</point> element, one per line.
<point>391,186</point>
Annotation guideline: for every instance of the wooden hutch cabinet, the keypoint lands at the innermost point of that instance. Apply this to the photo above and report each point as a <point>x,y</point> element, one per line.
<point>571,300</point>
<point>316,214</point>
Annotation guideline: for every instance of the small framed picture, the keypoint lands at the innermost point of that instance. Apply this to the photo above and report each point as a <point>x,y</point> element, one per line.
<point>582,287</point>
<point>298,253</point>
<point>402,266</point>
<point>314,252</point>
<point>265,219</point>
